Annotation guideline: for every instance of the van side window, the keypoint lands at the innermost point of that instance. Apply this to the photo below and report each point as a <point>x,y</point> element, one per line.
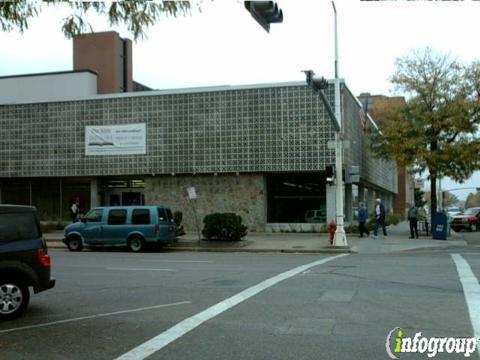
<point>117,217</point>
<point>141,216</point>
<point>162,216</point>
<point>94,215</point>
<point>169,215</point>
<point>165,214</point>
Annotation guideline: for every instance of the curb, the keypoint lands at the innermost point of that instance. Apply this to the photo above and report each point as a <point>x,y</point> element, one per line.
<point>60,245</point>
<point>284,251</point>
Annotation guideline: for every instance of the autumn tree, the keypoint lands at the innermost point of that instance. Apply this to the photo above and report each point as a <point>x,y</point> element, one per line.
<point>137,15</point>
<point>436,129</point>
<point>449,199</point>
<point>419,196</point>
<point>473,200</point>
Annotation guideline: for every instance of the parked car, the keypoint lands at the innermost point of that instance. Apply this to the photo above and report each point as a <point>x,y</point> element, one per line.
<point>24,259</point>
<point>469,220</point>
<point>315,216</point>
<point>132,226</point>
<point>452,211</point>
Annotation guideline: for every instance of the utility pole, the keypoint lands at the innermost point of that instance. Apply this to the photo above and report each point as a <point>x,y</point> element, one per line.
<point>267,12</point>
<point>318,84</point>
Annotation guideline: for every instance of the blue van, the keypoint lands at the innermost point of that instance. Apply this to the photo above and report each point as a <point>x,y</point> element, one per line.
<point>132,226</point>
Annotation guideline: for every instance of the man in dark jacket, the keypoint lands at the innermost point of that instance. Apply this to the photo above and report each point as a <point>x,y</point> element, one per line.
<point>362,219</point>
<point>413,221</point>
<point>380,218</point>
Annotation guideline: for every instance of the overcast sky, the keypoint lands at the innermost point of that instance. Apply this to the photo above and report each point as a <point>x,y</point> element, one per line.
<point>223,45</point>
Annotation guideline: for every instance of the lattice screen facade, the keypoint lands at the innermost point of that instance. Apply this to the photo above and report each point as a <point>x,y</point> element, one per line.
<point>244,130</point>
<point>278,128</point>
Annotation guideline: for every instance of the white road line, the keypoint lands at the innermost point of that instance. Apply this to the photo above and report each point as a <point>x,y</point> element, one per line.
<point>471,290</point>
<point>94,316</point>
<point>155,344</point>
<point>180,261</point>
<point>137,269</point>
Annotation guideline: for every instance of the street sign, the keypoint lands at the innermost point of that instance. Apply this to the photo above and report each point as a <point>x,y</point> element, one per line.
<point>192,195</point>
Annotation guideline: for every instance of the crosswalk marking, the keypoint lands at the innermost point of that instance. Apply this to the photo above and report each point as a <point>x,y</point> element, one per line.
<point>471,290</point>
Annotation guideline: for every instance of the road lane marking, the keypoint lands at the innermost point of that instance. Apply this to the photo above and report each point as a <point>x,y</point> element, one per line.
<point>471,290</point>
<point>158,342</point>
<point>93,316</point>
<point>137,269</point>
<point>180,261</point>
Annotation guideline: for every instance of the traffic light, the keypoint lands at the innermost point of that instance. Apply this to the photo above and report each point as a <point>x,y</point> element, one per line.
<point>315,82</point>
<point>329,174</point>
<point>318,84</point>
<point>264,12</point>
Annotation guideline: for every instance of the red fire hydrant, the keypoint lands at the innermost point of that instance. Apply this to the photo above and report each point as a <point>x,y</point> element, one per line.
<point>332,227</point>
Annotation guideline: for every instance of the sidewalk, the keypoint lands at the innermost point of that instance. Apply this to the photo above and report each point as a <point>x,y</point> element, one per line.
<point>397,241</point>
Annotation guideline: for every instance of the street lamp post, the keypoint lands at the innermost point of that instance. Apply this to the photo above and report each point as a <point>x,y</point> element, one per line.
<point>340,236</point>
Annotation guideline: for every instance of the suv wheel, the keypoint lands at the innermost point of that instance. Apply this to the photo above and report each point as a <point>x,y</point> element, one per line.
<point>74,243</point>
<point>14,298</point>
<point>135,243</point>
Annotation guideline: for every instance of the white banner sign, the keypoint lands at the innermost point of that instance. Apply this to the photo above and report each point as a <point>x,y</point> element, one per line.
<point>115,139</point>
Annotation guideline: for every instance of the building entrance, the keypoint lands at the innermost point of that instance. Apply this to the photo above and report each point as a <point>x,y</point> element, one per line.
<point>123,192</point>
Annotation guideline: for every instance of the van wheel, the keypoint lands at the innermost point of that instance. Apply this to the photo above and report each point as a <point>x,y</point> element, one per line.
<point>14,298</point>
<point>136,243</point>
<point>74,243</point>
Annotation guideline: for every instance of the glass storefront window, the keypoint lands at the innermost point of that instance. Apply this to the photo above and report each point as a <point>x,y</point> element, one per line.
<point>296,198</point>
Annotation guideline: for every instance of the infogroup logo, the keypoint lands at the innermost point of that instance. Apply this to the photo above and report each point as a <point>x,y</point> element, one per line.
<point>398,343</point>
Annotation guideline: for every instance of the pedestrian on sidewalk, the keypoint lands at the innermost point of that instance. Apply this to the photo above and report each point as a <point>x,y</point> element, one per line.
<point>75,210</point>
<point>362,219</point>
<point>413,221</point>
<point>379,218</point>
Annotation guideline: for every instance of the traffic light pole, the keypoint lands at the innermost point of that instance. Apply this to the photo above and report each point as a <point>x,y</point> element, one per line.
<point>340,236</point>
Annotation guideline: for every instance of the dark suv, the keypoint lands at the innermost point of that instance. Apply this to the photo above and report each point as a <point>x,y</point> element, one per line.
<point>24,261</point>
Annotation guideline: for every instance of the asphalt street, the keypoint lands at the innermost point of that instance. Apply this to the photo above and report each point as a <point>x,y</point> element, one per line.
<point>107,303</point>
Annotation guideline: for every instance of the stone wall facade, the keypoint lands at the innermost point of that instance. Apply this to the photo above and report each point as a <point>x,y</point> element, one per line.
<point>244,195</point>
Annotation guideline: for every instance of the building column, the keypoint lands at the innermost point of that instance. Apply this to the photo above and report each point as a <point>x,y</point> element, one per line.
<point>348,203</point>
<point>94,199</point>
<point>361,193</point>
<point>370,201</point>
<point>389,201</point>
<point>331,203</point>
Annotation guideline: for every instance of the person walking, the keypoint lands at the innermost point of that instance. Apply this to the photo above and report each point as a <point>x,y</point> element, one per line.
<point>422,219</point>
<point>413,222</point>
<point>75,210</point>
<point>379,218</point>
<point>362,219</point>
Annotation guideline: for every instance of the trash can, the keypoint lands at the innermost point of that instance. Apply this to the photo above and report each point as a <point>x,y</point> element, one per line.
<point>439,226</point>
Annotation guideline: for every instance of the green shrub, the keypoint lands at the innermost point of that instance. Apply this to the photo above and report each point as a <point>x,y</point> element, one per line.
<point>351,229</point>
<point>60,225</point>
<point>392,220</point>
<point>177,219</point>
<point>47,226</point>
<point>223,226</point>
<point>51,226</point>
